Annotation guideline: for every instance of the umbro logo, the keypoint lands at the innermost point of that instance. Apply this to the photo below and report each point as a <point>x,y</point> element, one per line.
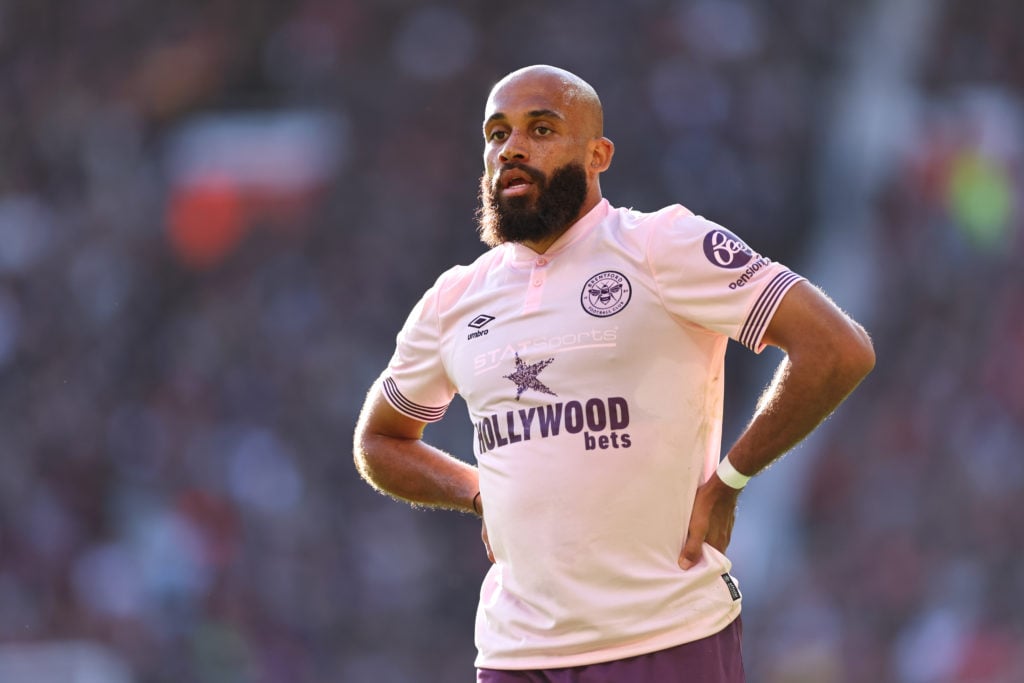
<point>478,324</point>
<point>481,320</point>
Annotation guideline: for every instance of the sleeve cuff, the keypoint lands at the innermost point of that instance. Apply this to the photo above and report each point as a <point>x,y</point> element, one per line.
<point>410,408</point>
<point>764,308</point>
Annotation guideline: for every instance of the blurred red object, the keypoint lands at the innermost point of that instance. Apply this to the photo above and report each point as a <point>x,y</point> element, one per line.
<point>205,221</point>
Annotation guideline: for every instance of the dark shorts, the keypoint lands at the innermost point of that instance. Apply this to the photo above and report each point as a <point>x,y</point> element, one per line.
<point>715,659</point>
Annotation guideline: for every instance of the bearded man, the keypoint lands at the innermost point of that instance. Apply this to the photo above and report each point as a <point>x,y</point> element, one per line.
<point>589,346</point>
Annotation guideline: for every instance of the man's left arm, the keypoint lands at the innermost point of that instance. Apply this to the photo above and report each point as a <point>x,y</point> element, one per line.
<point>827,355</point>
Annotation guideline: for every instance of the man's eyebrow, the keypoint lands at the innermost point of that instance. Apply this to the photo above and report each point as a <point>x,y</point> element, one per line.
<point>545,114</point>
<point>533,114</point>
<point>496,116</point>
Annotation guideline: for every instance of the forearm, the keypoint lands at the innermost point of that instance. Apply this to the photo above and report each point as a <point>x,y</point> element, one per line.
<point>415,471</point>
<point>828,355</point>
<point>800,397</point>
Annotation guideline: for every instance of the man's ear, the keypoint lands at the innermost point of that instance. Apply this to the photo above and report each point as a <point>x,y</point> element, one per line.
<point>601,152</point>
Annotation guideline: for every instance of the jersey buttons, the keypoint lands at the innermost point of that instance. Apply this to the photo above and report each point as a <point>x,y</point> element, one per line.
<point>535,290</point>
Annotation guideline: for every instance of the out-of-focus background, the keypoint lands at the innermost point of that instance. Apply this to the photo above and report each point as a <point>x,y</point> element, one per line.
<point>214,216</point>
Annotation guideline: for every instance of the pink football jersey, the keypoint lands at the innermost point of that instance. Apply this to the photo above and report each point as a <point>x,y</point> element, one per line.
<point>593,375</point>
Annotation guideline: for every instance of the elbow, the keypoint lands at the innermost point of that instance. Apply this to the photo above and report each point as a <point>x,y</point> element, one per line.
<point>361,460</point>
<point>362,453</point>
<point>374,456</point>
<point>865,353</point>
<point>855,357</point>
<point>368,465</point>
<point>841,357</point>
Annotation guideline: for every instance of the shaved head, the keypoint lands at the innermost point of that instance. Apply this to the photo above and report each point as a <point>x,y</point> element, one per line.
<point>576,95</point>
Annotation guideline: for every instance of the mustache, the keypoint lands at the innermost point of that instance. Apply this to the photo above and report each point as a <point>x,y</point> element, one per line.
<point>536,176</point>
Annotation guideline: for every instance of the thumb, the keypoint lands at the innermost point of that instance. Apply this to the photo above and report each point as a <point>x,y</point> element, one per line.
<point>693,549</point>
<point>487,541</point>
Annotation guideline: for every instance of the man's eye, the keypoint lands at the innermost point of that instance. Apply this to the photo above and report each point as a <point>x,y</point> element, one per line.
<point>498,135</point>
<point>542,130</point>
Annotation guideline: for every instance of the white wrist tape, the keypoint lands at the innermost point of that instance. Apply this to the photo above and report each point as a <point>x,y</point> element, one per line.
<point>730,476</point>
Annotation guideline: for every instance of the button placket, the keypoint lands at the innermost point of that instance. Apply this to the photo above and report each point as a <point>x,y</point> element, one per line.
<point>538,277</point>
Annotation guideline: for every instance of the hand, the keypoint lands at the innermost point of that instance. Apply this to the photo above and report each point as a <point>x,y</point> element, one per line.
<point>487,541</point>
<point>714,511</point>
<point>483,529</point>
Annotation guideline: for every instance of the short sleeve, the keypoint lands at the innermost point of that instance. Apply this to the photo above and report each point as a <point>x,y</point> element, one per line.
<point>710,277</point>
<point>416,383</point>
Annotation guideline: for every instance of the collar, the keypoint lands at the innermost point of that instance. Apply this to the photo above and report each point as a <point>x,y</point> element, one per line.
<point>519,255</point>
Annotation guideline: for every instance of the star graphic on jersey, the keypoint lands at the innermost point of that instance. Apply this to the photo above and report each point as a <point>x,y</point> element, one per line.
<point>525,376</point>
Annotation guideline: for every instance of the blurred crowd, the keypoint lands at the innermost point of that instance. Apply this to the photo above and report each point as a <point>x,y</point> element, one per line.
<point>214,217</point>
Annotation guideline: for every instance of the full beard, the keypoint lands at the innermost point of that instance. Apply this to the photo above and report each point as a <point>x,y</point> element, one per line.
<point>522,219</point>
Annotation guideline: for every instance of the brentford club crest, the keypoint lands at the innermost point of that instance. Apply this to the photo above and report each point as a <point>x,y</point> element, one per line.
<point>606,294</point>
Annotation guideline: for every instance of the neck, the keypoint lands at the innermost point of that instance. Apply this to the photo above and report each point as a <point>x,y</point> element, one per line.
<point>542,245</point>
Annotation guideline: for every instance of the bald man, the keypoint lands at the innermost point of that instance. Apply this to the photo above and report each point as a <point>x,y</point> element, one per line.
<point>588,343</point>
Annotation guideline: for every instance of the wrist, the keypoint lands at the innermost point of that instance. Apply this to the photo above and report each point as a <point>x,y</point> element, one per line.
<point>730,476</point>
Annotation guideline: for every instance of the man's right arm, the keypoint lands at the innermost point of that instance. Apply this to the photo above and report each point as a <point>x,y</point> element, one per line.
<point>391,456</point>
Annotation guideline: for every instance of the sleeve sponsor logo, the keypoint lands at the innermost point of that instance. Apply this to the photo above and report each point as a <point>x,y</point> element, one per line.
<point>726,250</point>
<point>606,294</point>
<point>749,273</point>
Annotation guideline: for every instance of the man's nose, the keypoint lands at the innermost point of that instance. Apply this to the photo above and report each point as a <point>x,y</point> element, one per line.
<point>515,149</point>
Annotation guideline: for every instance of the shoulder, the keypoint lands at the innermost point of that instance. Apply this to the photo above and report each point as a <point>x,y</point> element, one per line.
<point>455,282</point>
<point>677,227</point>
<point>673,216</point>
<point>460,276</point>
<point>672,227</point>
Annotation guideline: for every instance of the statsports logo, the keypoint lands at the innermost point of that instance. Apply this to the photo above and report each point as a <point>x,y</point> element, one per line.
<point>606,294</point>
